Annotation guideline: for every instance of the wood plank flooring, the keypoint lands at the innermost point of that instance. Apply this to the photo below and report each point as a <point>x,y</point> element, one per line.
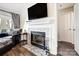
<point>64,49</point>
<point>18,51</point>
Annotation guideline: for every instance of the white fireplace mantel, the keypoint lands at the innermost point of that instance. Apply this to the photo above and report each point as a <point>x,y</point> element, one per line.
<point>48,26</point>
<point>47,20</point>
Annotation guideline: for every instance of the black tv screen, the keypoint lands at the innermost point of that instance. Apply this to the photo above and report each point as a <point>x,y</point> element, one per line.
<point>38,10</point>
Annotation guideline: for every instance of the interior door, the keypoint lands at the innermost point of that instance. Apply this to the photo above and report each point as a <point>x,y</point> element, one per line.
<point>65,21</point>
<point>76,41</point>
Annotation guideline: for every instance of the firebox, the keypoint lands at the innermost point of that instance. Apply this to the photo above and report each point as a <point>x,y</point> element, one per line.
<point>38,39</point>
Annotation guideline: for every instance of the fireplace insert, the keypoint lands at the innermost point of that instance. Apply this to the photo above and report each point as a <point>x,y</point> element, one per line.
<point>38,39</point>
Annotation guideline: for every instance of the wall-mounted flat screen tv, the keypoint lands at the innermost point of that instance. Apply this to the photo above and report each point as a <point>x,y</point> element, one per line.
<point>38,10</point>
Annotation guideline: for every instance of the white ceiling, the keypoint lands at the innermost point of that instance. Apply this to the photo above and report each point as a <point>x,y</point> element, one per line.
<point>64,5</point>
<point>15,7</point>
<point>18,7</point>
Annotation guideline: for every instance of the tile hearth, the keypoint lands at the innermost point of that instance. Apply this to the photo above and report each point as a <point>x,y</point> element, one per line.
<point>36,50</point>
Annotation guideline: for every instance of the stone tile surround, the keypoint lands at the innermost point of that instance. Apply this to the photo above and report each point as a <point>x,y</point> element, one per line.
<point>36,50</point>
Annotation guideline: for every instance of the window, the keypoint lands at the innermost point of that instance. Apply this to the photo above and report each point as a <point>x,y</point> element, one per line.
<point>6,22</point>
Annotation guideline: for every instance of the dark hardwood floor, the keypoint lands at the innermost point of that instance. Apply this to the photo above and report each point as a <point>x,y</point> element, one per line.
<point>18,50</point>
<point>64,49</point>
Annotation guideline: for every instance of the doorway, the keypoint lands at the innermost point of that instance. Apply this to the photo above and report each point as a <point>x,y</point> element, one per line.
<point>66,29</point>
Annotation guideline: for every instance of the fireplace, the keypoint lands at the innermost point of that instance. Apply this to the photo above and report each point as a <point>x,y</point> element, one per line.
<point>38,39</point>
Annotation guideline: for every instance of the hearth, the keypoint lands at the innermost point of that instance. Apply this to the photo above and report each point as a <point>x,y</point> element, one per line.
<point>38,39</point>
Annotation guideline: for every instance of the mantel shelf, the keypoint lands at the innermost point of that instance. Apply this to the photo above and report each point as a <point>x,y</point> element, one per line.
<point>41,21</point>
